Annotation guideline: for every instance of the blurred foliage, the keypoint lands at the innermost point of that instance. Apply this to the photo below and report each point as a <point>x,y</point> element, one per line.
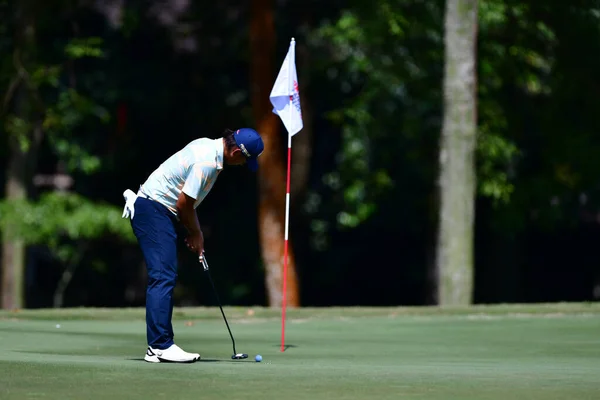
<point>59,217</point>
<point>381,62</point>
<point>388,67</point>
<point>48,81</point>
<point>63,119</point>
<point>377,70</point>
<point>124,86</point>
<point>70,109</point>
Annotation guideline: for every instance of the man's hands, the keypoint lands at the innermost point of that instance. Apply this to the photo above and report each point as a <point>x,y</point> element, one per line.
<point>189,219</point>
<point>195,242</point>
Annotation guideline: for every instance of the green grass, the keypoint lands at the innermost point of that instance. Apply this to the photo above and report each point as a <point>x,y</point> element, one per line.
<point>489,352</point>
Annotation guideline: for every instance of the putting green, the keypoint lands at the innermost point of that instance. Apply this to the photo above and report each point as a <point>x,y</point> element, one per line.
<point>506,352</point>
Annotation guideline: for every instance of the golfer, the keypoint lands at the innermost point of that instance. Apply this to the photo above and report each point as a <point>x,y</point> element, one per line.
<point>170,196</point>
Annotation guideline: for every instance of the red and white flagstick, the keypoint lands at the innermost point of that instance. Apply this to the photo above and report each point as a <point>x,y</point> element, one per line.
<point>285,251</point>
<point>287,210</point>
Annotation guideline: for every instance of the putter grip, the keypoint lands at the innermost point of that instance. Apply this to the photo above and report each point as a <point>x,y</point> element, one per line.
<point>202,260</point>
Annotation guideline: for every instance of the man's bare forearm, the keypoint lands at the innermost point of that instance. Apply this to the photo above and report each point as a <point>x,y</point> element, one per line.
<point>187,214</point>
<point>189,219</point>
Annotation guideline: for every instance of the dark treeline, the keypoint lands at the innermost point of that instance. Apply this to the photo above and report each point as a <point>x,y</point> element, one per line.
<point>104,91</point>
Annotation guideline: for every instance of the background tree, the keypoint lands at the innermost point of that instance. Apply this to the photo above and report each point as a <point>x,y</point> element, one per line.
<point>457,156</point>
<point>23,124</point>
<point>271,206</point>
<point>42,105</point>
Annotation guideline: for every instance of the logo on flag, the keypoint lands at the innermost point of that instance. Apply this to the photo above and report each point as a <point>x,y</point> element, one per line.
<point>285,95</point>
<point>295,98</point>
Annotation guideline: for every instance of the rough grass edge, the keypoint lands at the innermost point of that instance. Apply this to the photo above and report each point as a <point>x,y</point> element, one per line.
<point>259,312</point>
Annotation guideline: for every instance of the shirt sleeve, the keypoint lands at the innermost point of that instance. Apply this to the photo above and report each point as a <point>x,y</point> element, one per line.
<point>197,180</point>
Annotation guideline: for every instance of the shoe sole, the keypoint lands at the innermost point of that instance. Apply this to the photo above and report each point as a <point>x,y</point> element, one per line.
<point>156,359</point>
<point>193,360</point>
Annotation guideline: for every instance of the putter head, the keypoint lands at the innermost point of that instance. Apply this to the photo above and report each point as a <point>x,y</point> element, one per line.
<point>239,356</point>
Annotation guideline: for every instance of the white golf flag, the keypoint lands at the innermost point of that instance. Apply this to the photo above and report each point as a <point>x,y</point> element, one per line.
<point>285,95</point>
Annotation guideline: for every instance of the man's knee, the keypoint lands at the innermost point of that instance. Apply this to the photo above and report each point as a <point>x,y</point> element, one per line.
<point>161,281</point>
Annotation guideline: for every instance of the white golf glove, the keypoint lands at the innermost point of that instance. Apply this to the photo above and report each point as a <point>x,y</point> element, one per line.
<point>129,209</point>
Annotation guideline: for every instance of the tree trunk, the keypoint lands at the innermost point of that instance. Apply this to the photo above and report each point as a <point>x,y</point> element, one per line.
<point>13,249</point>
<point>67,275</point>
<point>457,160</point>
<point>22,158</point>
<point>272,170</point>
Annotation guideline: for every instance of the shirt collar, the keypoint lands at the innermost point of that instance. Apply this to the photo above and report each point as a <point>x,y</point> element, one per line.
<point>219,147</point>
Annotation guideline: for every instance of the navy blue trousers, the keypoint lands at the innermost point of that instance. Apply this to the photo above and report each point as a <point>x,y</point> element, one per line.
<point>155,228</point>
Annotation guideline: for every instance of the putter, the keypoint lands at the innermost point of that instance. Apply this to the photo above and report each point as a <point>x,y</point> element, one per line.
<point>236,355</point>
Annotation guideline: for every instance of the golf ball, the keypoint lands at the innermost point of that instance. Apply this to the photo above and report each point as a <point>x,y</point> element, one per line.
<point>57,326</point>
<point>258,358</point>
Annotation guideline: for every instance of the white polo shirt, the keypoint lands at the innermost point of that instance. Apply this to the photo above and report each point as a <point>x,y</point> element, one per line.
<point>193,170</point>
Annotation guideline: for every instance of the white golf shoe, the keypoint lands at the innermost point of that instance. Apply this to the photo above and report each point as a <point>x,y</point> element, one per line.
<point>173,354</point>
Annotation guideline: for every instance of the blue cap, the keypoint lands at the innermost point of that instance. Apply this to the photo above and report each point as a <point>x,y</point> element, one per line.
<point>251,144</point>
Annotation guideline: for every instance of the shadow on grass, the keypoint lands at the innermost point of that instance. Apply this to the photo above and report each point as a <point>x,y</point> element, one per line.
<point>202,360</point>
<point>229,361</point>
<point>286,346</point>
